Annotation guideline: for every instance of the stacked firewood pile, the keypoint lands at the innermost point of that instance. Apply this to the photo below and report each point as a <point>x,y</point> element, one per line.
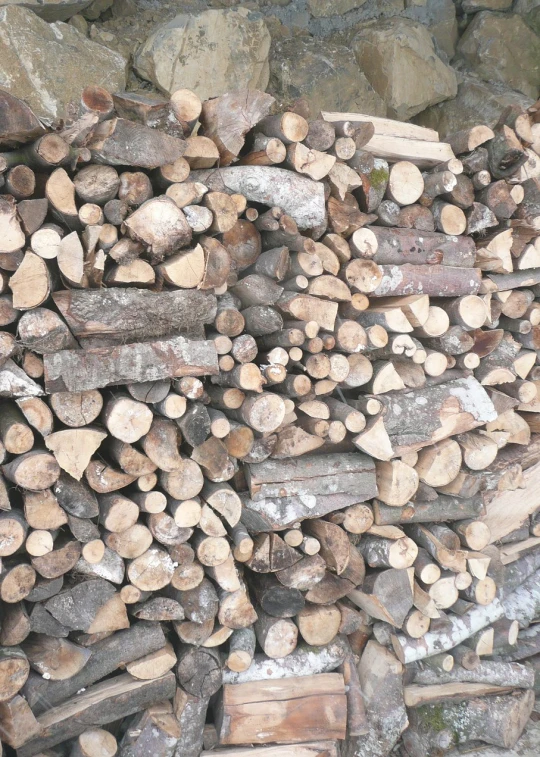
<point>269,442</point>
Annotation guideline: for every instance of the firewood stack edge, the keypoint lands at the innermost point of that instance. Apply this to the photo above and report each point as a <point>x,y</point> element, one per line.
<point>269,432</point>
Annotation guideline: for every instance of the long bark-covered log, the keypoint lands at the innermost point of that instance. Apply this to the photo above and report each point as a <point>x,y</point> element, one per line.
<point>441,508</point>
<point>101,704</point>
<point>305,660</point>
<point>117,316</point>
<point>312,474</point>
<point>299,197</point>
<point>80,370</point>
<point>400,246</point>
<point>494,673</point>
<point>434,280</point>
<point>458,629</point>
<point>122,647</point>
<point>276,513</point>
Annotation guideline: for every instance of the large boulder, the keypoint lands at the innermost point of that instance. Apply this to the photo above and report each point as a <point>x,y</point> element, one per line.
<point>50,10</point>
<point>327,75</point>
<point>477,102</point>
<point>500,47</point>
<point>398,57</point>
<point>211,53</point>
<point>48,65</point>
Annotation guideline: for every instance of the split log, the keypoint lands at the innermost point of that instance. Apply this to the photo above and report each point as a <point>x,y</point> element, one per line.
<point>311,696</point>
<point>307,749</point>
<point>103,703</point>
<point>18,722</point>
<point>380,677</point>
<point>385,595</point>
<point>500,723</point>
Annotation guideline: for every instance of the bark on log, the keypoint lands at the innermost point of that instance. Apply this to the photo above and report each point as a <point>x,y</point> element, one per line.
<point>77,370</point>
<point>301,198</point>
<point>101,704</point>
<point>114,316</point>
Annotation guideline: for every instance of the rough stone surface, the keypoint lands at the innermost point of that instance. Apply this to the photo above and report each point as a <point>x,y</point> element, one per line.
<point>322,8</point>
<point>325,74</point>
<point>500,47</point>
<point>525,6</point>
<point>473,6</point>
<point>50,10</point>
<point>398,57</point>
<point>48,65</point>
<point>440,18</point>
<point>210,53</point>
<point>96,8</point>
<point>530,11</point>
<point>477,102</point>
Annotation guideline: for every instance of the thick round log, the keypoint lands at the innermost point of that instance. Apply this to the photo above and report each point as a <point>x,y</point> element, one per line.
<point>199,671</point>
<point>277,637</point>
<point>319,624</point>
<point>151,571</point>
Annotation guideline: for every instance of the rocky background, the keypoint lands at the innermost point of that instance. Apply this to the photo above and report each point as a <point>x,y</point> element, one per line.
<point>439,63</point>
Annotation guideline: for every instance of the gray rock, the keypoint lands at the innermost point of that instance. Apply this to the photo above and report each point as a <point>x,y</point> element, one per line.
<point>325,74</point>
<point>440,18</point>
<point>50,10</point>
<point>322,8</point>
<point>525,6</point>
<point>399,60</point>
<point>80,23</point>
<point>211,53</point>
<point>530,11</point>
<point>96,8</point>
<point>500,47</point>
<point>473,6</point>
<point>477,102</point>
<point>48,65</point>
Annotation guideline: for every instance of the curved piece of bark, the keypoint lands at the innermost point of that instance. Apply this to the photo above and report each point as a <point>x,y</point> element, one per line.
<point>227,119</point>
<point>420,420</point>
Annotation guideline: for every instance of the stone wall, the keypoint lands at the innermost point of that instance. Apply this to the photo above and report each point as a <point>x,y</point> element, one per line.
<point>442,63</point>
